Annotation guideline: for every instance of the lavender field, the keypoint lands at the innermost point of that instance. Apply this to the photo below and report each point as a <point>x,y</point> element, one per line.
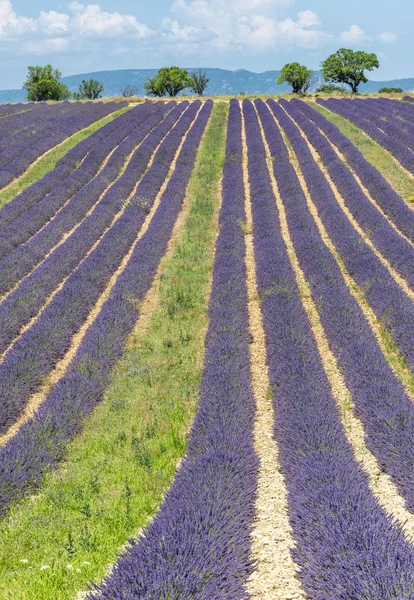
<point>207,351</point>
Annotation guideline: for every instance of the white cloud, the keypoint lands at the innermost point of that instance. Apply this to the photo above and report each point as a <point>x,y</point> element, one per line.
<point>227,24</point>
<point>92,20</point>
<point>201,28</point>
<point>386,37</point>
<point>354,35</point>
<point>307,18</point>
<point>59,32</point>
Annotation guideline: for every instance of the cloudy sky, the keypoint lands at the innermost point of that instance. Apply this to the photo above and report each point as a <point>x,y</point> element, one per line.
<point>257,35</point>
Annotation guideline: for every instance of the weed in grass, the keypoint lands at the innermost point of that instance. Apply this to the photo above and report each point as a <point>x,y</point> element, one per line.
<point>70,545</point>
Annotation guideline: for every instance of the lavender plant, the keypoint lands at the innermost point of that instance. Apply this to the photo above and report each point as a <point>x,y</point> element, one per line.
<point>339,528</point>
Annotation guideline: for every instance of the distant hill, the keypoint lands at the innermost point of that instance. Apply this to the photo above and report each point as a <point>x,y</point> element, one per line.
<point>222,82</point>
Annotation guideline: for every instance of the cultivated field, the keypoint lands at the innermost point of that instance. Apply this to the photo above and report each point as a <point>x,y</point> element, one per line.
<point>207,350</point>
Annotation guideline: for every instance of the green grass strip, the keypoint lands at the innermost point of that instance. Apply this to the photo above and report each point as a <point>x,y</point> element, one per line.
<point>117,470</point>
<point>380,158</point>
<point>48,161</point>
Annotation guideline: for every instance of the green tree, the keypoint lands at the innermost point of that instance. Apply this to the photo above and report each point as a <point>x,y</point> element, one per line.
<point>42,83</point>
<point>200,81</point>
<point>296,75</point>
<point>390,90</point>
<point>169,80</point>
<point>89,90</point>
<point>330,88</point>
<point>348,66</point>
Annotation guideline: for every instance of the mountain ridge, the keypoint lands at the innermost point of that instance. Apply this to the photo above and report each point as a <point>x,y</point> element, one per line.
<point>222,82</point>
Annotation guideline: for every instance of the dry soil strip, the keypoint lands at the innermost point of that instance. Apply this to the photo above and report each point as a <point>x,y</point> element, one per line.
<point>275,576</point>
<point>397,278</point>
<point>60,369</point>
<point>379,482</point>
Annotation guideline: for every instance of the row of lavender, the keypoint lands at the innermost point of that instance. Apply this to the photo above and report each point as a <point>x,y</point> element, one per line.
<point>391,304</point>
<point>19,151</point>
<point>6,110</point>
<point>25,123</point>
<point>392,143</point>
<point>398,251</point>
<point>68,174</point>
<point>380,400</point>
<point>41,442</point>
<point>339,529</point>
<point>198,546</point>
<point>38,349</point>
<point>385,196</point>
<point>35,216</point>
<point>60,211</point>
<point>32,291</point>
<point>393,118</point>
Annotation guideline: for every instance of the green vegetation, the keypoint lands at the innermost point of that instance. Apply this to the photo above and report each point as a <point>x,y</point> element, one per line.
<point>330,88</point>
<point>90,89</point>
<point>296,75</point>
<point>168,80</point>
<point>48,161</point>
<point>374,153</point>
<point>117,470</point>
<point>42,83</point>
<point>390,90</point>
<point>348,66</point>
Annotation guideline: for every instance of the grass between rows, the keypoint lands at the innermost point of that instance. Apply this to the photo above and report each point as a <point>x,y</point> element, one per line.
<point>117,470</point>
<point>380,158</point>
<point>48,161</point>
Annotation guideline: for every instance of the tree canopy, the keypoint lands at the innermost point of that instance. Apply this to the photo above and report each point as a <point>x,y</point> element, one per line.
<point>348,66</point>
<point>296,75</point>
<point>390,90</point>
<point>42,83</point>
<point>200,81</point>
<point>330,88</point>
<point>89,89</point>
<point>168,81</point>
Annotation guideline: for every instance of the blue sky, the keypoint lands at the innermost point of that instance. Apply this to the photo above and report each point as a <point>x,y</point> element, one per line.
<point>78,36</point>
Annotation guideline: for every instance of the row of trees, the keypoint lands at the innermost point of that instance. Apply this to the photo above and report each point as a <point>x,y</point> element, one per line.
<point>170,81</point>
<point>344,66</point>
<point>43,83</point>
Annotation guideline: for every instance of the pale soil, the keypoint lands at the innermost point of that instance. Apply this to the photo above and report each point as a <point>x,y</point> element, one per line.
<point>275,576</point>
